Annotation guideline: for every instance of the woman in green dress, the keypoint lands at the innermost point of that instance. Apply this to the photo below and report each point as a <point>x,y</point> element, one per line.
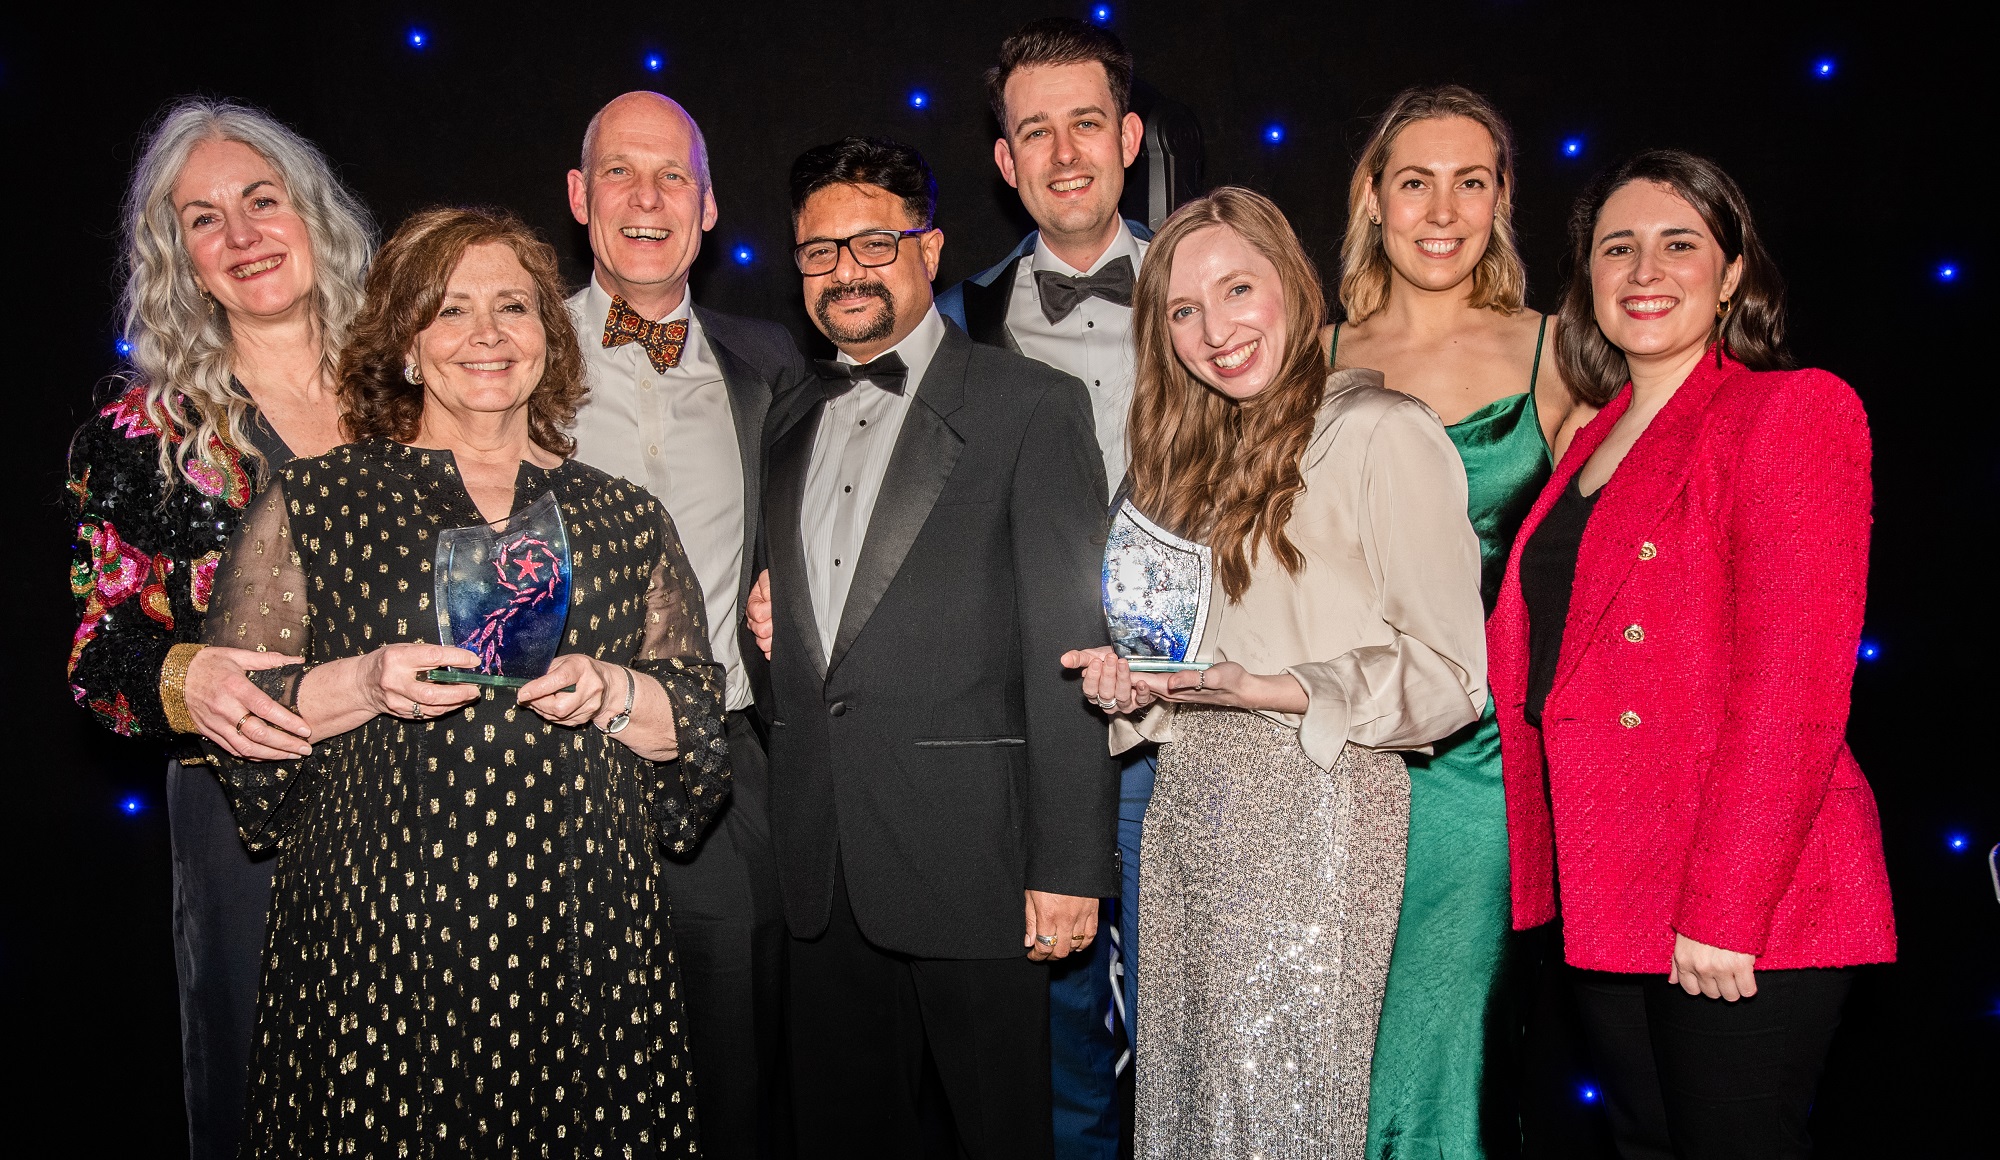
<point>1432,290</point>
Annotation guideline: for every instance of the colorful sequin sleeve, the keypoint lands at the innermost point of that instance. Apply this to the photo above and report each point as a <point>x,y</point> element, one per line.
<point>142,561</point>
<point>685,794</point>
<point>260,603</point>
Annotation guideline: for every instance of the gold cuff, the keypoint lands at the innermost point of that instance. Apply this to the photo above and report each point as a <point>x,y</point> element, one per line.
<point>173,687</point>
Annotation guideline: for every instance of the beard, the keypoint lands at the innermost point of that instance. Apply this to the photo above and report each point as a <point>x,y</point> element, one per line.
<point>882,326</point>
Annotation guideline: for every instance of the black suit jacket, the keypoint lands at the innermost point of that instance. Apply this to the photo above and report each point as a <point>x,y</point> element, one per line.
<point>760,363</point>
<point>942,753</point>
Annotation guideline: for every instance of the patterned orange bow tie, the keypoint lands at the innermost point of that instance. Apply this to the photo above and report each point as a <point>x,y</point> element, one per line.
<point>662,340</point>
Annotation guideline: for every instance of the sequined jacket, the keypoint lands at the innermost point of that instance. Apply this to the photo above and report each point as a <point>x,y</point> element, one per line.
<point>144,558</point>
<point>1692,773</point>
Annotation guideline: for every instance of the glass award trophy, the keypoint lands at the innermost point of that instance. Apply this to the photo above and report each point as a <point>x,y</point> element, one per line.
<point>504,594</point>
<point>1156,590</point>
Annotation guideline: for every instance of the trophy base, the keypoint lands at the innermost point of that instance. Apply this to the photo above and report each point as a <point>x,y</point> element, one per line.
<point>462,677</point>
<point>1163,665</point>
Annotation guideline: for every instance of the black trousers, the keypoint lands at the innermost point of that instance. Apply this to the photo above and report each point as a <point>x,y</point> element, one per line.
<point>1691,1078</point>
<point>894,1056</point>
<point>730,942</point>
<point>221,897</point>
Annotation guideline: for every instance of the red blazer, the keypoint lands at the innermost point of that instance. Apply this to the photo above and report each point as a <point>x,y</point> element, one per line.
<point>1692,774</point>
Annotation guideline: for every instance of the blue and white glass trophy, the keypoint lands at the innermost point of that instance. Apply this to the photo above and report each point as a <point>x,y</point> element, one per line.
<point>504,594</point>
<point>1156,592</point>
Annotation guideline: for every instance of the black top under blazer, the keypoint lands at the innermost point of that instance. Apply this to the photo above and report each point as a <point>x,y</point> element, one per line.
<point>942,753</point>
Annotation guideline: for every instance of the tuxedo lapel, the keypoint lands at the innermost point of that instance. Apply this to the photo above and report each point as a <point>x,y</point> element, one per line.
<point>986,307</point>
<point>790,458</point>
<point>1649,478</point>
<point>749,400</point>
<point>926,451</point>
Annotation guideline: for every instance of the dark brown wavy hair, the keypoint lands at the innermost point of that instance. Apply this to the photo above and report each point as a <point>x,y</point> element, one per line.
<point>1752,329</point>
<point>406,285</point>
<point>1204,465</point>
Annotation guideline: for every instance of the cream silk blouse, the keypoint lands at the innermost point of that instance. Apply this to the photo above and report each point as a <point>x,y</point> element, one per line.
<point>1383,625</point>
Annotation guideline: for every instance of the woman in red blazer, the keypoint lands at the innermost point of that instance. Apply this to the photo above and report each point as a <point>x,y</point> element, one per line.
<point>1671,658</point>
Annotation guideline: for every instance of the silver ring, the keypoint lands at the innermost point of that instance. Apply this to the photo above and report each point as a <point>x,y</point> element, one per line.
<point>1108,704</point>
<point>1047,940</point>
<point>1201,680</point>
<point>416,711</point>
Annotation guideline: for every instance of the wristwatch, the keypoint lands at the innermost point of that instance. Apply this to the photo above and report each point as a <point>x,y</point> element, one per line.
<point>624,716</point>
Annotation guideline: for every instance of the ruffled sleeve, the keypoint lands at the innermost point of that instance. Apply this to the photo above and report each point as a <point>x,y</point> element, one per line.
<point>1429,680</point>
<point>683,795</point>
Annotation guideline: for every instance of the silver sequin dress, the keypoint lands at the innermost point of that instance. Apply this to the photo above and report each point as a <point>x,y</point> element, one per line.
<point>1271,866</point>
<point>1268,895</point>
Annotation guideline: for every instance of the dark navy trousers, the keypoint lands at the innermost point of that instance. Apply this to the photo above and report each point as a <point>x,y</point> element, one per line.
<point>1093,997</point>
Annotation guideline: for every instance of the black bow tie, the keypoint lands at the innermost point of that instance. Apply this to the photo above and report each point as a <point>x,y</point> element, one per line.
<point>888,372</point>
<point>1061,293</point>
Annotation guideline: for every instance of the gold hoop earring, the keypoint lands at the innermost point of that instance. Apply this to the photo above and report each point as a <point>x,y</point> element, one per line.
<point>412,376</point>
<point>1722,309</point>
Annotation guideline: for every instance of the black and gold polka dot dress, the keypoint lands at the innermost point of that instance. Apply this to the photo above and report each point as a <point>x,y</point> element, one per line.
<point>469,952</point>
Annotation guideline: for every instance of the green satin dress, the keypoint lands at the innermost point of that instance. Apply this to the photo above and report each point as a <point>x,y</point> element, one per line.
<point>1444,1016</point>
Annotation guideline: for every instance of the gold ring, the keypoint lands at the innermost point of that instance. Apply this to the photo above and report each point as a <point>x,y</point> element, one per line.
<point>1077,938</point>
<point>245,717</point>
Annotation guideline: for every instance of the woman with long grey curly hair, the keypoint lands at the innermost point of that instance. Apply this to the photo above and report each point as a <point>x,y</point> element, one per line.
<point>243,263</point>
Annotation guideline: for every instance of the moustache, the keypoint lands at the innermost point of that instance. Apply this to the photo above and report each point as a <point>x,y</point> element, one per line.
<point>863,289</point>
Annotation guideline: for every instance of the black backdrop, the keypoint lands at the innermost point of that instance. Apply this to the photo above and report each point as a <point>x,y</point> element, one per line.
<point>1861,179</point>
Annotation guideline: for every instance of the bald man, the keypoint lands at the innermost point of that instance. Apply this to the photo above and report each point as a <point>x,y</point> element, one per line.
<point>677,400</point>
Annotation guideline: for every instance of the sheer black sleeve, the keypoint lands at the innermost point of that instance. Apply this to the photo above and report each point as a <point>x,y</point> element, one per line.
<point>260,603</point>
<point>686,793</point>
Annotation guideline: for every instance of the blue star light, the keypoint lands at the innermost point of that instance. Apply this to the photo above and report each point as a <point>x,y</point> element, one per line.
<point>1274,134</point>
<point>1947,272</point>
<point>920,100</point>
<point>132,805</point>
<point>655,62</point>
<point>418,38</point>
<point>744,255</point>
<point>1573,147</point>
<point>1869,651</point>
<point>1823,68</point>
<point>124,347</point>
<point>1587,1093</point>
<point>1957,843</point>
<point>1101,13</point>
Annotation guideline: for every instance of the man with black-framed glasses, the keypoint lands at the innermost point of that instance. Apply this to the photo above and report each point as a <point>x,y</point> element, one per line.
<point>943,808</point>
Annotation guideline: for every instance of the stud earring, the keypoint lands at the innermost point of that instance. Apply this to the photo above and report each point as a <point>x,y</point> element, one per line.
<point>1722,309</point>
<point>1373,220</point>
<point>411,375</point>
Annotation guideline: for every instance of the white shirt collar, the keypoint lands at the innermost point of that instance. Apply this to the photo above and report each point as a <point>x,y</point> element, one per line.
<point>597,304</point>
<point>918,348</point>
<point>1122,246</point>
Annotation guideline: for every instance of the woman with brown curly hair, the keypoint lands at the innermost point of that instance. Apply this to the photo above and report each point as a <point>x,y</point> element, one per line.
<point>469,952</point>
<point>1350,628</point>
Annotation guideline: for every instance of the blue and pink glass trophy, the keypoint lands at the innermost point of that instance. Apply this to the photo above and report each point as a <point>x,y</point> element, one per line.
<point>503,593</point>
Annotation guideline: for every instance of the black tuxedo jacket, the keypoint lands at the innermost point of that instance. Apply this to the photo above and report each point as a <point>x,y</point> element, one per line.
<point>760,363</point>
<point>941,752</point>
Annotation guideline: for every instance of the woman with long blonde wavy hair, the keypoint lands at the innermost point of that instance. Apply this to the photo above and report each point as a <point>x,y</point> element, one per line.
<point>243,262</point>
<point>1346,627</point>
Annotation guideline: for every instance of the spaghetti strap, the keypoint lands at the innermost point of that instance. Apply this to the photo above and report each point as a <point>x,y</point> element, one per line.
<point>1333,348</point>
<point>1534,373</point>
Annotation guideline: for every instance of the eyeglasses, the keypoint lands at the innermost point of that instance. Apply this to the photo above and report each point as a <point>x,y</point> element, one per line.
<point>870,248</point>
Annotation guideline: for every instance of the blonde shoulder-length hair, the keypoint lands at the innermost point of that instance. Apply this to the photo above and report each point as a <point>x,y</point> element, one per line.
<point>1500,281</point>
<point>180,341</point>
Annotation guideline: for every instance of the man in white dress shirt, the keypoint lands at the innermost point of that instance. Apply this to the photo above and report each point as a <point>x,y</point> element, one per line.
<point>943,807</point>
<point>1061,93</point>
<point>678,396</point>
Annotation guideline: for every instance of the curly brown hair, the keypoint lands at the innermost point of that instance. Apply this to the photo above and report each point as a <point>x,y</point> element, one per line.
<point>406,285</point>
<point>1206,466</point>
